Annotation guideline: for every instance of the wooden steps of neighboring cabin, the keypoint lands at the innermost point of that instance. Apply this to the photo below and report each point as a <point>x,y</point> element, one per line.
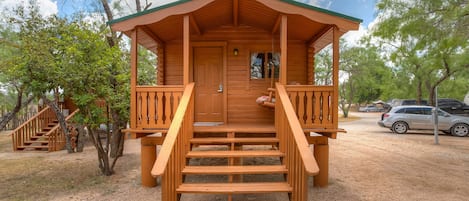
<point>239,169</point>
<point>234,188</point>
<point>34,147</point>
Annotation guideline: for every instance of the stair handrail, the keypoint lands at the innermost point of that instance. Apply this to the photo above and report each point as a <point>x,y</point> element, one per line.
<point>307,156</point>
<point>21,134</point>
<point>57,136</point>
<point>178,135</point>
<point>298,159</point>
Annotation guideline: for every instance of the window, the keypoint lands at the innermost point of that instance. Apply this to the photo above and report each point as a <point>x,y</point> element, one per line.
<point>264,64</point>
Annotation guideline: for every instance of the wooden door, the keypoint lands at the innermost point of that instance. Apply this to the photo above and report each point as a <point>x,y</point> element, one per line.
<point>208,78</point>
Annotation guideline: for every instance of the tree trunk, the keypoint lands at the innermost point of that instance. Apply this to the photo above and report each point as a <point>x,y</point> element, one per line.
<point>103,157</point>
<point>117,144</point>
<point>62,122</point>
<point>19,104</point>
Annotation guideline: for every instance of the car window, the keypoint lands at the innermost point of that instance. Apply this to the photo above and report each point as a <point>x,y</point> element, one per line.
<point>426,111</point>
<point>413,111</point>
<point>401,111</point>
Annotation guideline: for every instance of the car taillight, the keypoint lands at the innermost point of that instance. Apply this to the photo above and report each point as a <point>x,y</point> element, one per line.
<point>385,115</point>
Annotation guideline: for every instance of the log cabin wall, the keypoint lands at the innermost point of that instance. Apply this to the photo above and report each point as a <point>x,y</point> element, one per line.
<point>242,91</point>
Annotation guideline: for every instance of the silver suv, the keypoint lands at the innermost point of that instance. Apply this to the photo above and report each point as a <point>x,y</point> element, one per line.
<point>402,118</point>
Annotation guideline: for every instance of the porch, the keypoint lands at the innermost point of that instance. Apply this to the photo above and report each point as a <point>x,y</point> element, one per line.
<point>304,115</point>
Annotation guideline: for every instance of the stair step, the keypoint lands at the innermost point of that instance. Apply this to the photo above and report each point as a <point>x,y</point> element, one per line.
<point>212,140</point>
<point>234,188</point>
<point>34,146</point>
<point>234,154</point>
<point>40,133</point>
<point>263,169</point>
<point>34,138</point>
<point>36,141</point>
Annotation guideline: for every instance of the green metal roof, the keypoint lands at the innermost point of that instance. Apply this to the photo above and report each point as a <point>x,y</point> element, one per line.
<point>148,11</point>
<point>296,3</point>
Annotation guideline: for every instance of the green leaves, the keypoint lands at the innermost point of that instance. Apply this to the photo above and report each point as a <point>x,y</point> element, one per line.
<point>426,41</point>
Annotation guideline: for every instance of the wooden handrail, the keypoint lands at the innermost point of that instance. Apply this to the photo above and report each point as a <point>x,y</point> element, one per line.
<point>159,168</point>
<point>155,106</point>
<point>314,105</point>
<point>66,119</point>
<point>310,164</point>
<point>56,136</point>
<point>30,120</point>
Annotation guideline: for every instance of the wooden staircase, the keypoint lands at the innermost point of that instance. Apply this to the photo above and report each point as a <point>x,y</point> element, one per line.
<point>39,141</point>
<point>227,155</point>
<point>40,133</point>
<point>190,155</point>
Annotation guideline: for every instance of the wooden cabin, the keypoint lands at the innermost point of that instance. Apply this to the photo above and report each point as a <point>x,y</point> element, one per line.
<point>215,58</point>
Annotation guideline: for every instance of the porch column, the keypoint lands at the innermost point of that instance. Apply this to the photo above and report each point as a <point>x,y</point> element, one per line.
<point>133,78</point>
<point>283,50</point>
<point>186,50</point>
<point>335,76</point>
<point>310,66</point>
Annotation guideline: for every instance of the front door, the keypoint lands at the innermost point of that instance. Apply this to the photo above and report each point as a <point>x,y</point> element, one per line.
<point>208,78</point>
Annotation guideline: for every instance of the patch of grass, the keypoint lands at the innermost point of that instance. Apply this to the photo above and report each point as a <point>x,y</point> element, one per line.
<point>36,178</point>
<point>5,141</point>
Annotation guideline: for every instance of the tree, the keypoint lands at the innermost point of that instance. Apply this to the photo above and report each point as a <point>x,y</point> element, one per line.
<point>9,78</point>
<point>363,75</point>
<point>426,40</point>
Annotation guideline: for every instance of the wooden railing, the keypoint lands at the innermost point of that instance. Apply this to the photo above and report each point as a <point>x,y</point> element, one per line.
<point>172,157</point>
<point>314,105</point>
<point>57,136</point>
<point>34,125</point>
<point>299,158</point>
<point>156,105</point>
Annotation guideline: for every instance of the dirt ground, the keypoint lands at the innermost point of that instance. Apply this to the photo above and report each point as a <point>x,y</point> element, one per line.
<point>367,163</point>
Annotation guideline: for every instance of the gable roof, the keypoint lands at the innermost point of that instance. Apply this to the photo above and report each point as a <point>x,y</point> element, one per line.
<point>175,3</point>
<point>306,23</point>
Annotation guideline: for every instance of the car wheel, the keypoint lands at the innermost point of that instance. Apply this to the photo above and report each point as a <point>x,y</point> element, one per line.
<point>460,130</point>
<point>400,127</point>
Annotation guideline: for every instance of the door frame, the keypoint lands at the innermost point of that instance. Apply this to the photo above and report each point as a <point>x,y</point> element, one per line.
<point>222,45</point>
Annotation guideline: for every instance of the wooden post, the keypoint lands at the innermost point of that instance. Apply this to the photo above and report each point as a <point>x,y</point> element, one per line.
<point>133,79</point>
<point>148,158</point>
<point>283,50</point>
<point>186,50</point>
<point>310,66</point>
<point>321,153</point>
<point>335,75</point>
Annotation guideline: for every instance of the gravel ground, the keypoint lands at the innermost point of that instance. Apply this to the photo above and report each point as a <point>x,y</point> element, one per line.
<point>366,163</point>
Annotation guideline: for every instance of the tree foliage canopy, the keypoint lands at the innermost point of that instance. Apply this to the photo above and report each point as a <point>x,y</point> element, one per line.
<point>427,42</point>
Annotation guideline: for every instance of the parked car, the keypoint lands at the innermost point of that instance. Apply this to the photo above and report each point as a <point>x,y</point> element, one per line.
<point>399,102</point>
<point>369,108</point>
<point>453,106</point>
<point>400,119</point>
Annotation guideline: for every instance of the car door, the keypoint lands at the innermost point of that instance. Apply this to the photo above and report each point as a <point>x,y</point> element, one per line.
<point>420,118</point>
<point>444,120</point>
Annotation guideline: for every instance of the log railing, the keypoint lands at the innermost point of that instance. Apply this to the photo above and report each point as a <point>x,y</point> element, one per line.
<point>314,105</point>
<point>156,105</point>
<point>29,128</point>
<point>57,136</point>
<point>299,158</point>
<point>172,157</point>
